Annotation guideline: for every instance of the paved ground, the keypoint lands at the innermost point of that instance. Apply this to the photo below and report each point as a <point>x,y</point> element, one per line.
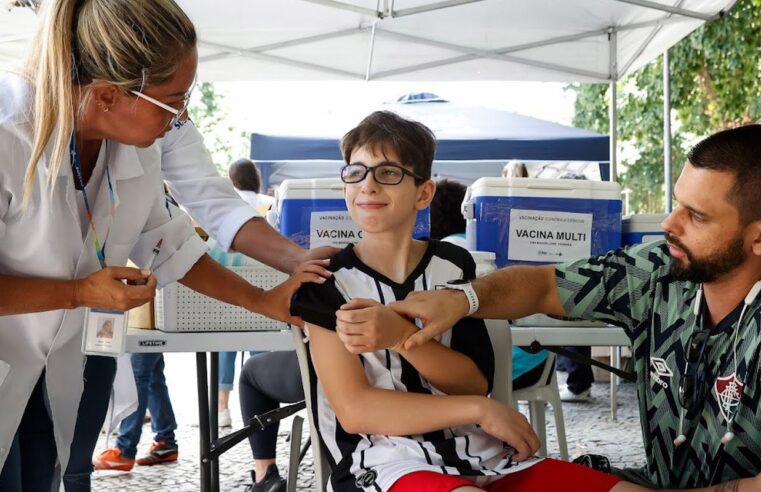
<point>588,429</point>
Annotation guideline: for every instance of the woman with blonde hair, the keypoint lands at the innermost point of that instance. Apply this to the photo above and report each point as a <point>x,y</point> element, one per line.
<point>80,193</point>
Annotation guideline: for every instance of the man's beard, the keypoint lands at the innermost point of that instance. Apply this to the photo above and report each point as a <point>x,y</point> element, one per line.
<point>709,269</point>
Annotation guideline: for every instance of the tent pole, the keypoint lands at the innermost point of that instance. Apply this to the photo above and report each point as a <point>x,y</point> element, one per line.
<point>613,110</point>
<point>667,132</point>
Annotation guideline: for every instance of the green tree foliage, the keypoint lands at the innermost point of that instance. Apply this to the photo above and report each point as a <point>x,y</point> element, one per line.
<point>224,142</point>
<point>715,84</point>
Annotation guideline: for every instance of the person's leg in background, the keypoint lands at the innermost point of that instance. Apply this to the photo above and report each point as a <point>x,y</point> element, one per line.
<point>266,381</point>
<point>226,378</point>
<point>98,381</point>
<point>30,466</point>
<point>122,457</point>
<point>163,422</point>
<point>580,377</point>
<point>226,383</point>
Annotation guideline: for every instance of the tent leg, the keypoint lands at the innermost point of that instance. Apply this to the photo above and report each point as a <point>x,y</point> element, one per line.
<point>613,110</point>
<point>667,132</point>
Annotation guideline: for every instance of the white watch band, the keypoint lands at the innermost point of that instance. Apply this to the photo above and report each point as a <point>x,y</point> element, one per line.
<point>470,294</point>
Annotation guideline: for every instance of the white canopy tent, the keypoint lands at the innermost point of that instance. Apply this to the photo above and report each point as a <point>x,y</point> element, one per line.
<point>441,40</point>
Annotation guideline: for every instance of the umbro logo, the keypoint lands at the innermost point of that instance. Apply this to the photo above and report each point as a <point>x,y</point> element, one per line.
<point>367,479</point>
<point>660,371</point>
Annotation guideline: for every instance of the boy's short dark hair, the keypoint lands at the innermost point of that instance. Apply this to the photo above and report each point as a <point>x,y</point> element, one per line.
<point>245,175</point>
<point>737,151</point>
<point>446,217</point>
<point>382,131</point>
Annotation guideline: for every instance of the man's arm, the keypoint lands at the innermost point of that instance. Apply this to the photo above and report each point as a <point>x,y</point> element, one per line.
<point>509,293</point>
<point>364,409</point>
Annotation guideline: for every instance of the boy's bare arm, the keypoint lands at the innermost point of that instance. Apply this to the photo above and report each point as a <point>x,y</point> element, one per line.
<point>363,409</point>
<point>448,370</point>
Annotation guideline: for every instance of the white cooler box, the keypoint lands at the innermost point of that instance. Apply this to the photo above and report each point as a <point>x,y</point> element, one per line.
<point>180,309</point>
<point>642,228</point>
<point>313,213</point>
<point>540,221</point>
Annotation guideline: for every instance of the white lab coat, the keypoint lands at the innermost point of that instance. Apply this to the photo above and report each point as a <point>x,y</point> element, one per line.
<point>46,241</point>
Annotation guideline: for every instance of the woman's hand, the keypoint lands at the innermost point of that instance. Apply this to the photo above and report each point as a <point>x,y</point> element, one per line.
<point>113,288</point>
<point>509,426</point>
<point>276,302</point>
<point>365,325</point>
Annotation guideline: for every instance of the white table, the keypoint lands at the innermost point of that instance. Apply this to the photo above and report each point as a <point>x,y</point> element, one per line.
<point>201,343</point>
<point>606,336</point>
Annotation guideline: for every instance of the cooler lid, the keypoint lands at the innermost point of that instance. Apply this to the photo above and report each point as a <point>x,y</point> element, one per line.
<point>643,222</point>
<point>540,187</point>
<point>311,184</point>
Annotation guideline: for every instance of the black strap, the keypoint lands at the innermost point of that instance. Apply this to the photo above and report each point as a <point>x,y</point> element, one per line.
<point>536,346</point>
<point>257,423</point>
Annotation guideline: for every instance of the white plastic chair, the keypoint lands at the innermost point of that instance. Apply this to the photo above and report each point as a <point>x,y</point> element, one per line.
<point>545,391</point>
<point>321,465</point>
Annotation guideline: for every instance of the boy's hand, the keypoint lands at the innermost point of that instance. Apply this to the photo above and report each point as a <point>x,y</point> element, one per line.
<point>509,426</point>
<point>365,325</point>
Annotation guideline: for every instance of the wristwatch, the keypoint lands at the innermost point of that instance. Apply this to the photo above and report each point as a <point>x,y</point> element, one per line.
<point>470,293</point>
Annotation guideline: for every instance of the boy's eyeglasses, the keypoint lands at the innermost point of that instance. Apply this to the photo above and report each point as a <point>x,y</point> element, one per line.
<point>385,173</point>
<point>175,111</point>
<point>693,382</point>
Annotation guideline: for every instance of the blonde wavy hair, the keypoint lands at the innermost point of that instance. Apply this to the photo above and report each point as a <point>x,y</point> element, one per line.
<point>128,43</point>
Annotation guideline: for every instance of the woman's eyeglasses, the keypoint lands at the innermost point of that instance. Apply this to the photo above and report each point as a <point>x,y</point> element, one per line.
<point>175,122</point>
<point>385,173</point>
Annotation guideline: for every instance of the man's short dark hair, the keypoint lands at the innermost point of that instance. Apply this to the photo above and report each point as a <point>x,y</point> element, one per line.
<point>245,175</point>
<point>446,217</point>
<point>383,131</point>
<point>737,151</point>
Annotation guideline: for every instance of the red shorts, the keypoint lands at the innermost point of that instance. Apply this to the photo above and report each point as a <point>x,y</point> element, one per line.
<point>548,475</point>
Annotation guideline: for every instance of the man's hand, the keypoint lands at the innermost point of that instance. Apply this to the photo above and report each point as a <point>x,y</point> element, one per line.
<point>438,310</point>
<point>276,302</point>
<point>509,426</point>
<point>364,325</point>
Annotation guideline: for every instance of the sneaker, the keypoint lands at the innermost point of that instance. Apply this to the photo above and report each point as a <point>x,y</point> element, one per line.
<point>570,396</point>
<point>272,482</point>
<point>160,452</point>
<point>112,459</point>
<point>224,419</point>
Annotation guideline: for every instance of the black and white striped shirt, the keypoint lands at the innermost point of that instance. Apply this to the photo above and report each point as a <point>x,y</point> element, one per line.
<point>375,462</point>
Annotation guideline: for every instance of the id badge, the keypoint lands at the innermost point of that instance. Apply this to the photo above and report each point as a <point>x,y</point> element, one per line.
<point>105,332</point>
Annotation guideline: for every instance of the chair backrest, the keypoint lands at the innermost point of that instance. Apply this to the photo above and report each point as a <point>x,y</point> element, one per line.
<point>321,465</point>
<point>502,342</point>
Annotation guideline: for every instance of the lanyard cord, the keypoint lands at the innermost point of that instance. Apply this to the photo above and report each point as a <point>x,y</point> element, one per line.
<point>76,165</point>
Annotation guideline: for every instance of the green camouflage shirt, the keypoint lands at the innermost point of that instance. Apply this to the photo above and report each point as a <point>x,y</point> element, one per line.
<point>632,288</point>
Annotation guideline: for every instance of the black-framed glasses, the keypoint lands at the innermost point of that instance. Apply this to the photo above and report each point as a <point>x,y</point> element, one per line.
<point>385,173</point>
<point>692,385</point>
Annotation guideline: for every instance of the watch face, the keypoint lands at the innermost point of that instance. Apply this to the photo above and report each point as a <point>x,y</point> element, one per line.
<point>459,281</point>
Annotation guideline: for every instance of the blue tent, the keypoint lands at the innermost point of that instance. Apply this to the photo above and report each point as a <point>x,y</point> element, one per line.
<point>463,133</point>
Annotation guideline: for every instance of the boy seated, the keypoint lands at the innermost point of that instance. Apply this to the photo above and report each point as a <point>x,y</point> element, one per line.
<point>416,420</point>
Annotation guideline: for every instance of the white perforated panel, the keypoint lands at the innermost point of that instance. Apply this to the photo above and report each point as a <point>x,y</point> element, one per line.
<point>180,309</point>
